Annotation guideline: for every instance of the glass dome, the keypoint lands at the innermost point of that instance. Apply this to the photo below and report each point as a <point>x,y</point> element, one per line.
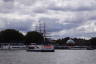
<point>70,41</point>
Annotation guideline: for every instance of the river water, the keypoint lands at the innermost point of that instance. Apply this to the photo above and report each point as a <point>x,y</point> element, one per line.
<point>57,57</point>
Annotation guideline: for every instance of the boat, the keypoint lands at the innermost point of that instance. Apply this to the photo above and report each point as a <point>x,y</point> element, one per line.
<point>34,47</point>
<point>40,48</point>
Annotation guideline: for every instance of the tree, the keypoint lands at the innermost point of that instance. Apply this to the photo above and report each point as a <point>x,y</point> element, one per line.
<point>58,42</point>
<point>65,39</point>
<point>11,35</point>
<point>34,37</point>
<point>93,42</point>
<point>62,41</point>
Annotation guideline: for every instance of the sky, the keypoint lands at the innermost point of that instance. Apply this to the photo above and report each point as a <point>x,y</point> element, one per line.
<point>63,18</point>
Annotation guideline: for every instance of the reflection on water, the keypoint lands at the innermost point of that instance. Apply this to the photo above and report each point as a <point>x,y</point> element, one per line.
<point>57,57</point>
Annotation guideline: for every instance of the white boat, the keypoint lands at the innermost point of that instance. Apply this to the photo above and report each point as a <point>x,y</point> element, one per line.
<point>40,48</point>
<point>34,47</point>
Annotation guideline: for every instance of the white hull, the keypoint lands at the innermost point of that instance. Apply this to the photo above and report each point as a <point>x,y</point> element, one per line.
<point>41,48</point>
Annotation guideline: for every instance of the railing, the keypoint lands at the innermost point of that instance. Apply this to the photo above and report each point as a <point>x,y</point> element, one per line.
<point>12,46</point>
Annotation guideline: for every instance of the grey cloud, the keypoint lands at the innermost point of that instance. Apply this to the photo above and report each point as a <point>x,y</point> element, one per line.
<point>56,8</point>
<point>75,35</point>
<point>40,10</point>
<point>51,24</point>
<point>74,5</point>
<point>27,2</point>
<point>7,6</point>
<point>92,18</point>
<point>8,0</point>
<point>92,34</point>
<point>70,26</point>
<point>22,25</point>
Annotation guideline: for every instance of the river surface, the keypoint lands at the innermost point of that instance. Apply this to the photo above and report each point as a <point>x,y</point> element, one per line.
<point>57,57</point>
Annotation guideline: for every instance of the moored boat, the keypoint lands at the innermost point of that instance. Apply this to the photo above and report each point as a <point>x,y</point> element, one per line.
<point>34,47</point>
<point>40,48</point>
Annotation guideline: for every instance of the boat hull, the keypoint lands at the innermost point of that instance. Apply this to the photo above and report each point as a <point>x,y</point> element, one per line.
<point>42,48</point>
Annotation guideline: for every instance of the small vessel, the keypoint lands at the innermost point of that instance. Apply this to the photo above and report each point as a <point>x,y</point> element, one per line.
<point>40,48</point>
<point>34,47</point>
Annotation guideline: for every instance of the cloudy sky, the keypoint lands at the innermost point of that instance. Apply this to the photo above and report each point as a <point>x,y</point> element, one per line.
<point>63,18</point>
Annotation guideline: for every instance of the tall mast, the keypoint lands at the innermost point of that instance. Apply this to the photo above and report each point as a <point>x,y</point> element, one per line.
<point>44,32</point>
<point>40,27</point>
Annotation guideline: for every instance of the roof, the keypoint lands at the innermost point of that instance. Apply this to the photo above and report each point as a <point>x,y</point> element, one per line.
<point>70,41</point>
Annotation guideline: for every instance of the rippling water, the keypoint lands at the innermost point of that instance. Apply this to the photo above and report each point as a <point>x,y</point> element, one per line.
<point>57,57</point>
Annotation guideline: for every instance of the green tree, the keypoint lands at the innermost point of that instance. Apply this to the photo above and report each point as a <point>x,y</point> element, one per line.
<point>11,35</point>
<point>93,42</point>
<point>34,37</point>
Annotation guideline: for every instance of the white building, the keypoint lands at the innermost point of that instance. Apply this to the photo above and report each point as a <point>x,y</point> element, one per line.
<point>70,42</point>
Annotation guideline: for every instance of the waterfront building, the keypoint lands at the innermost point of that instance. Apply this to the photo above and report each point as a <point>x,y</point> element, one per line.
<point>70,42</point>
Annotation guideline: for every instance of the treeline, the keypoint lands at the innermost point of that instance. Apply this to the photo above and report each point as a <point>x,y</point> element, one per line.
<point>14,36</point>
<point>78,42</point>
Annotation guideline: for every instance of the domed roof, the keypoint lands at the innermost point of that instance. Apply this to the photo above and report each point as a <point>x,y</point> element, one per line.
<point>70,41</point>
